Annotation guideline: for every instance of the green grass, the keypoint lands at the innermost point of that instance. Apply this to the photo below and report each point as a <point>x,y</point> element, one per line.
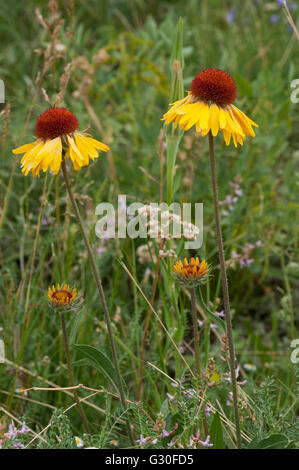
<point>127,87</point>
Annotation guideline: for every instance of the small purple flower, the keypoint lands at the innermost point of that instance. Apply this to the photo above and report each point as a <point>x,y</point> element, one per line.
<point>12,431</point>
<point>142,440</point>
<point>24,429</point>
<point>18,445</point>
<point>230,16</point>
<point>45,221</point>
<point>274,18</point>
<point>206,443</point>
<point>244,382</point>
<point>220,314</point>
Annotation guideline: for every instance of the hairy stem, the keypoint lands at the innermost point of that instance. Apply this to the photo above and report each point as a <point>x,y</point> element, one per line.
<point>195,331</point>
<point>196,348</point>
<point>229,330</point>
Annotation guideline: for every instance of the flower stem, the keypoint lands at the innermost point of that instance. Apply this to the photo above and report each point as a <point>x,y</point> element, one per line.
<point>229,330</point>
<point>196,349</point>
<point>101,292</point>
<point>71,374</point>
<point>195,331</point>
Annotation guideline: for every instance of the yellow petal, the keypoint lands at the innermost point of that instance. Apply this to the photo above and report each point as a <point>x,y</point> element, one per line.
<point>25,148</point>
<point>95,143</point>
<point>214,119</point>
<point>205,117</point>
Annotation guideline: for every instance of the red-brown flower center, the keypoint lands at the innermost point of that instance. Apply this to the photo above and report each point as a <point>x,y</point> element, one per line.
<point>55,122</point>
<point>214,85</point>
<point>189,269</point>
<point>62,297</point>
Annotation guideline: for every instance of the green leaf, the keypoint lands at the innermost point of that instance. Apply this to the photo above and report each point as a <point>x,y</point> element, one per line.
<point>75,327</point>
<point>216,433</point>
<point>276,441</point>
<point>99,361</point>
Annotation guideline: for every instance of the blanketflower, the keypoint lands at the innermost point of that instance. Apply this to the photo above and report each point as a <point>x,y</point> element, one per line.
<point>209,107</point>
<point>61,296</point>
<point>191,274</point>
<point>58,137</point>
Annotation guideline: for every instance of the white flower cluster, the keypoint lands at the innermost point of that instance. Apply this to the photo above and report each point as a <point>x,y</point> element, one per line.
<point>159,224</point>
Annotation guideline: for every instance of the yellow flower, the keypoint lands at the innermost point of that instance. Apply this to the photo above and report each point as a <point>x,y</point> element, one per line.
<point>61,296</point>
<point>191,274</point>
<point>209,107</point>
<point>58,136</point>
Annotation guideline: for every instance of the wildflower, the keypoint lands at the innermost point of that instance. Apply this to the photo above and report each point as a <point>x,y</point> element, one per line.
<point>23,429</point>
<point>142,440</point>
<point>210,373</point>
<point>208,410</point>
<point>18,445</point>
<point>79,442</point>
<point>250,367</point>
<point>228,375</point>
<point>230,16</point>
<point>220,314</point>
<point>194,440</point>
<point>244,382</point>
<point>58,137</point>
<point>209,107</point>
<point>61,296</point>
<point>274,18</point>
<point>229,399</point>
<point>231,199</point>
<point>146,253</point>
<point>244,258</point>
<point>291,6</point>
<point>206,443</point>
<point>12,431</point>
<point>191,274</point>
